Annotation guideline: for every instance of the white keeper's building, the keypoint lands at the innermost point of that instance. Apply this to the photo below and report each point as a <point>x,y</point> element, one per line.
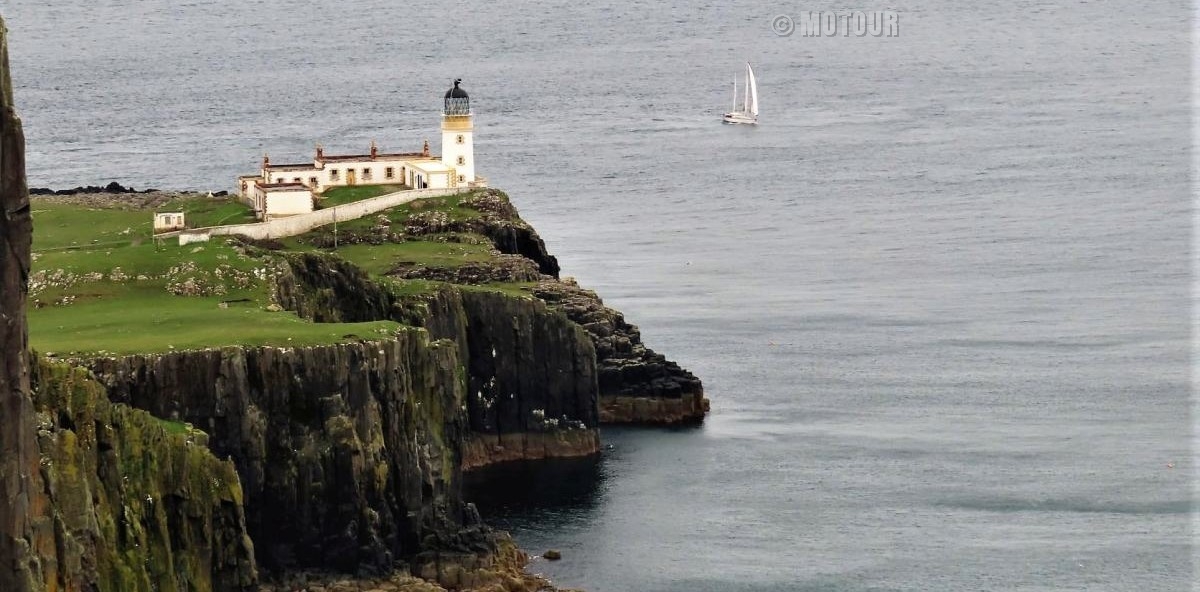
<point>289,189</point>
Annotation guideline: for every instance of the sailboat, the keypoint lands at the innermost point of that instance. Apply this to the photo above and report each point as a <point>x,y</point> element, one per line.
<point>748,113</point>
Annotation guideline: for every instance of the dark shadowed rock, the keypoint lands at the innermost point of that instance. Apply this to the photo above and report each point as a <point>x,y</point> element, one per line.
<point>27,552</point>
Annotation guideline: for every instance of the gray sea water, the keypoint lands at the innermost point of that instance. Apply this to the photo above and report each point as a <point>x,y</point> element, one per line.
<point>939,297</point>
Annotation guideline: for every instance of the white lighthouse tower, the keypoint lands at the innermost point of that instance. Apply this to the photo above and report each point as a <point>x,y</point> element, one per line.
<point>458,127</point>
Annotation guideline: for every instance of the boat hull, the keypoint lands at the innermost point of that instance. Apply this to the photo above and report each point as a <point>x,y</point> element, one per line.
<point>739,118</point>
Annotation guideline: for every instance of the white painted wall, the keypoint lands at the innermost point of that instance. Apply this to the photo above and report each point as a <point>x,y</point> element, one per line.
<point>452,150</point>
<point>299,224</point>
<point>288,202</point>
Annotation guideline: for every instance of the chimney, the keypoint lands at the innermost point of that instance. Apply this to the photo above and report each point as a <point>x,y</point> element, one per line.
<point>425,150</point>
<point>320,152</point>
<point>266,161</point>
<point>374,150</point>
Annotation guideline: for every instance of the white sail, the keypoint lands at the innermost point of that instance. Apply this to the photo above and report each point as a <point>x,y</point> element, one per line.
<point>745,107</point>
<point>753,90</point>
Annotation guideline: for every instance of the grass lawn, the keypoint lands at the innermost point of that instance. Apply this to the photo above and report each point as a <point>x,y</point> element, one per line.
<point>401,213</point>
<point>101,285</point>
<point>201,212</point>
<point>344,195</point>
<point>150,320</point>
<point>147,258</point>
<point>61,226</point>
<point>379,259</point>
<point>176,427</point>
<point>115,314</point>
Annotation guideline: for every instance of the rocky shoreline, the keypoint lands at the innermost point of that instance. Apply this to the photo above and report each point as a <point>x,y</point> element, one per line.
<point>113,188</point>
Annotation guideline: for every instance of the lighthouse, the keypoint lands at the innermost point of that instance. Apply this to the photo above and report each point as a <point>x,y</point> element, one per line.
<point>458,127</point>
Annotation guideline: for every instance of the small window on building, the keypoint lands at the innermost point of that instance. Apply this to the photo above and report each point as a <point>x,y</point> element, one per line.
<point>460,139</point>
<point>312,181</point>
<point>366,173</point>
<point>295,179</point>
<point>333,174</point>
<point>461,178</point>
<point>462,160</point>
<point>389,172</point>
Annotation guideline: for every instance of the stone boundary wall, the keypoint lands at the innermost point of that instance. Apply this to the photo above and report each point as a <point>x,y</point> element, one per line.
<point>301,223</point>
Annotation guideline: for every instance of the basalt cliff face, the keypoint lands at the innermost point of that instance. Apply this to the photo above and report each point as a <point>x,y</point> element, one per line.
<point>348,454</point>
<point>531,381</point>
<point>136,504</point>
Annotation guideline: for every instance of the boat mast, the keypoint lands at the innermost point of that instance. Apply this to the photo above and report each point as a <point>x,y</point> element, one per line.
<point>746,98</point>
<point>733,108</point>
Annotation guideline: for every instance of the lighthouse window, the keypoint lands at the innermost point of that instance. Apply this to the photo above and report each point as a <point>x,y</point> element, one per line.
<point>461,178</point>
<point>460,139</point>
<point>462,160</point>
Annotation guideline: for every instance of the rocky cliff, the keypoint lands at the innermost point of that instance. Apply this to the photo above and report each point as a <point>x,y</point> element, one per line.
<point>137,503</point>
<point>636,384</point>
<point>95,496</point>
<point>530,371</point>
<point>349,454</point>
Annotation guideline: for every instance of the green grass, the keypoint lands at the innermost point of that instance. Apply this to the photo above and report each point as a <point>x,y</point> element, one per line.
<point>175,427</point>
<point>62,226</point>
<point>201,212</point>
<point>134,315</point>
<point>148,320</point>
<point>379,259</point>
<point>344,195</point>
<point>401,213</point>
<point>147,258</point>
<point>65,226</point>
<point>79,307</point>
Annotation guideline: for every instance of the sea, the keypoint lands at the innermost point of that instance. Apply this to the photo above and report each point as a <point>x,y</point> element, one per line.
<point>940,296</point>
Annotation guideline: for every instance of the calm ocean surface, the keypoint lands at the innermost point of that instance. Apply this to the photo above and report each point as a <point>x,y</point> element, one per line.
<point>939,297</point>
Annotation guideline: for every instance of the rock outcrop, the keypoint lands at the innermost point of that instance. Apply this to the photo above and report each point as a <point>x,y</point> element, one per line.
<point>530,371</point>
<point>503,268</point>
<point>636,384</point>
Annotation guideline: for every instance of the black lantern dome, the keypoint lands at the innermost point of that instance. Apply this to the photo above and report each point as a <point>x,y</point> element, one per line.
<point>457,101</point>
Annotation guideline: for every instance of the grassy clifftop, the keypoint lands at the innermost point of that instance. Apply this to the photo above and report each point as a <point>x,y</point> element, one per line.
<point>101,285</point>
